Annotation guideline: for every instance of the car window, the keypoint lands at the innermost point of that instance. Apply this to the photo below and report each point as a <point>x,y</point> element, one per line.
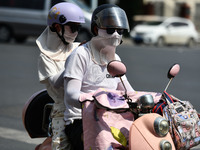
<point>77,2</point>
<point>151,22</point>
<point>53,2</point>
<point>27,4</point>
<point>179,24</point>
<point>82,5</point>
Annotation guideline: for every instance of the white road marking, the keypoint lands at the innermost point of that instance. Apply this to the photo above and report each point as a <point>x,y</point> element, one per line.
<point>17,135</point>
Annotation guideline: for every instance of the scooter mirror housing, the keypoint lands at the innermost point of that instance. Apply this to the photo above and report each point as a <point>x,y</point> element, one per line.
<point>173,71</point>
<point>116,68</point>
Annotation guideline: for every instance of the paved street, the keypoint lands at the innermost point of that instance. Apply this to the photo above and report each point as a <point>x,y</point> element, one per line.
<point>147,68</point>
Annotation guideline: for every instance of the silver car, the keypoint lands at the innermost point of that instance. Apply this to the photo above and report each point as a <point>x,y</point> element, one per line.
<point>20,19</point>
<point>173,30</point>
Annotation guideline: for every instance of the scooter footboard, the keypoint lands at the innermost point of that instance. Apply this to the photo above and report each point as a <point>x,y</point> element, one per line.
<point>36,113</point>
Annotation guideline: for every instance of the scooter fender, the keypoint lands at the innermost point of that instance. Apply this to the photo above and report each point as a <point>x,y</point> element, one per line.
<point>143,135</point>
<point>34,115</point>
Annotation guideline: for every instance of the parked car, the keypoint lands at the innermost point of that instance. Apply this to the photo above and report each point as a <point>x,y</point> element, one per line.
<point>173,30</point>
<point>20,19</point>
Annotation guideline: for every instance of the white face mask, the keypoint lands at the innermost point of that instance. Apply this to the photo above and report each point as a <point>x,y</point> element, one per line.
<point>103,46</point>
<point>68,35</point>
<point>110,39</point>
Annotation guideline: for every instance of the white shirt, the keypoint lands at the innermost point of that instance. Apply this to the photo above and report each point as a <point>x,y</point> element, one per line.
<point>81,65</point>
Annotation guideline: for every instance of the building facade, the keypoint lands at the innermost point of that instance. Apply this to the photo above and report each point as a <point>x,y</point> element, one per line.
<point>183,8</point>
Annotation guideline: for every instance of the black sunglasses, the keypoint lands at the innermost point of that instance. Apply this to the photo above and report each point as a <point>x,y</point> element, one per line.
<point>74,27</point>
<point>112,30</point>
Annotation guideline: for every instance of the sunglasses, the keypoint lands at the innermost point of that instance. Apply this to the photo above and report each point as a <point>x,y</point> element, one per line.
<point>74,27</point>
<point>112,30</point>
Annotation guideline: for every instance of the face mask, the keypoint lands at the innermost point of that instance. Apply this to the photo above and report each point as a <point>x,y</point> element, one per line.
<point>103,46</point>
<point>110,39</point>
<point>69,36</point>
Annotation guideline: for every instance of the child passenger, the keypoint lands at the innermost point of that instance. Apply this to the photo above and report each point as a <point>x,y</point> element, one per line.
<point>55,44</point>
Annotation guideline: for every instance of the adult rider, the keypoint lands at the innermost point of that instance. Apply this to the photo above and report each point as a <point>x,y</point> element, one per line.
<point>86,67</point>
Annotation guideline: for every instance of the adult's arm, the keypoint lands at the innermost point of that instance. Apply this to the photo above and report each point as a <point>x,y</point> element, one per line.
<point>72,89</point>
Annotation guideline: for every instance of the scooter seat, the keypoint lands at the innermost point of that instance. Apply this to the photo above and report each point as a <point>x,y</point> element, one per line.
<point>36,114</point>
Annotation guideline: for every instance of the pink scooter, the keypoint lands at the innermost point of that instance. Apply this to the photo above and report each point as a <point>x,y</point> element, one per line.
<point>148,132</point>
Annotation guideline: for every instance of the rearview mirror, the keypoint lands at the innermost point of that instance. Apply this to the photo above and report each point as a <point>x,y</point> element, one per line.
<point>173,71</point>
<point>116,68</point>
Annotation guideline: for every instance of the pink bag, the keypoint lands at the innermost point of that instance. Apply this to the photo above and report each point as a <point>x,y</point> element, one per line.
<point>107,119</point>
<point>184,123</point>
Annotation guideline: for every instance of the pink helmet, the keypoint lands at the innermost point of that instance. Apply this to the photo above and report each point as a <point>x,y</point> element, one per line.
<point>65,12</point>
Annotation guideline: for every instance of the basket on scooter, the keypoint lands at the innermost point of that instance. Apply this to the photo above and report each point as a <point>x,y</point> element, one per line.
<point>36,114</point>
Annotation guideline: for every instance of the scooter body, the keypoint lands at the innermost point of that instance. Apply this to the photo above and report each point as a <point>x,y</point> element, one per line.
<point>142,135</point>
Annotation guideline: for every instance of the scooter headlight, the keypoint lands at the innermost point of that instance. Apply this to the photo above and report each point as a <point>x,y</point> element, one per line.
<point>165,145</point>
<point>161,126</point>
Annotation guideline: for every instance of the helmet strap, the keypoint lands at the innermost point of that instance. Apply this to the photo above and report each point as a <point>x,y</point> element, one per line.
<point>62,35</point>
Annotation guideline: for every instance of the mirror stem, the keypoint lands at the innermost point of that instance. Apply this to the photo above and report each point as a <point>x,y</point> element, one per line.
<point>125,95</point>
<point>168,84</point>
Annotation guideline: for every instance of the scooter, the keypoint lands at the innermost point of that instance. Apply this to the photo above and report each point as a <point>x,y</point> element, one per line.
<point>148,131</point>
